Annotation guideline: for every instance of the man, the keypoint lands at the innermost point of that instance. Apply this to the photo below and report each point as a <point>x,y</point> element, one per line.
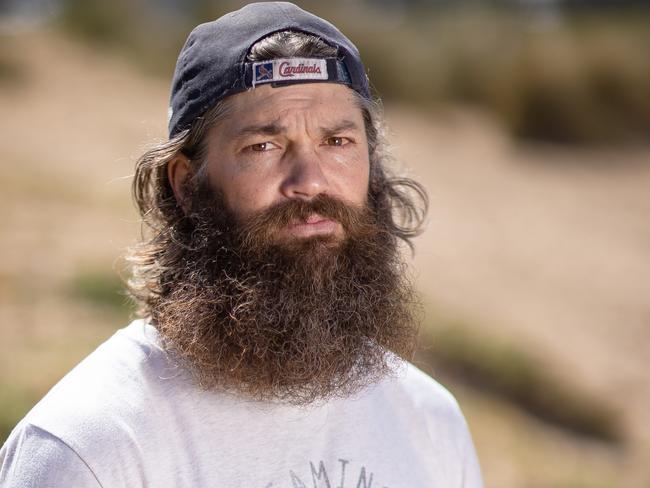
<point>277,314</point>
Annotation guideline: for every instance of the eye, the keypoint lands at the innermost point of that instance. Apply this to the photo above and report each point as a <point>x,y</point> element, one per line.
<point>260,147</point>
<point>336,141</point>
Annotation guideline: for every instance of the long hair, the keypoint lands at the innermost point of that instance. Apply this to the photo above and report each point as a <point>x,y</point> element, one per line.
<point>154,260</point>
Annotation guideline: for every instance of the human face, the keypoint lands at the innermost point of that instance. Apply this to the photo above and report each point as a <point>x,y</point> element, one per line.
<point>291,142</point>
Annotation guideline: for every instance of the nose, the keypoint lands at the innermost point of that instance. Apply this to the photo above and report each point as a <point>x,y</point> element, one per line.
<point>305,178</point>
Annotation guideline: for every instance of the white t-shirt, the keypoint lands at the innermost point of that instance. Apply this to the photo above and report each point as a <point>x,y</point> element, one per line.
<point>125,417</point>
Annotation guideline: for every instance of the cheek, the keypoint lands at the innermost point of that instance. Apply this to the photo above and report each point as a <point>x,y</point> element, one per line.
<point>353,183</point>
<point>247,193</point>
<point>247,187</point>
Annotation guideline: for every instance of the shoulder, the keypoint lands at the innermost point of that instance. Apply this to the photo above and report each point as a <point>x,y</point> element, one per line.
<point>409,393</point>
<point>417,390</point>
<point>99,382</point>
<point>431,410</point>
<point>105,398</point>
<point>35,457</point>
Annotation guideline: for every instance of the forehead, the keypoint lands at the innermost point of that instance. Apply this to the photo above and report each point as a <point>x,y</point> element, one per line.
<point>311,103</point>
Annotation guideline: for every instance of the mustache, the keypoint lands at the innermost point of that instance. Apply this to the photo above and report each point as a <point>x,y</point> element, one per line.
<point>261,227</point>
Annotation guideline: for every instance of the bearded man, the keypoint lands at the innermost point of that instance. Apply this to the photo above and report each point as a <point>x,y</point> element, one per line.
<point>277,315</point>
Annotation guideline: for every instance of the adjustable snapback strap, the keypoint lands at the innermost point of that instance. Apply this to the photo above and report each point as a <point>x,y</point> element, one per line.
<point>296,70</point>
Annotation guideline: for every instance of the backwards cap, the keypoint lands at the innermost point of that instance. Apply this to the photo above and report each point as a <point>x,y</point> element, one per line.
<point>213,62</point>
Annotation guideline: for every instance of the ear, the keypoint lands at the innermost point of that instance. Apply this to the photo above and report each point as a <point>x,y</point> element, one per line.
<point>178,170</point>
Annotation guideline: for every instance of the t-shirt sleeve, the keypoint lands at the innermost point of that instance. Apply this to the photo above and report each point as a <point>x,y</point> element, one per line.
<point>33,457</point>
<point>471,468</point>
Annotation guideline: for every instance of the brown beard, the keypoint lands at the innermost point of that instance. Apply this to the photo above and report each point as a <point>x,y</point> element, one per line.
<point>292,320</point>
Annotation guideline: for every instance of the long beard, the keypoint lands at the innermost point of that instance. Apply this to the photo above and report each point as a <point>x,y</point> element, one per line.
<point>295,320</point>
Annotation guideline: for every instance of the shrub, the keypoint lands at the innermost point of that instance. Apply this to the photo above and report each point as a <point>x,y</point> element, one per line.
<point>511,373</point>
<point>101,288</point>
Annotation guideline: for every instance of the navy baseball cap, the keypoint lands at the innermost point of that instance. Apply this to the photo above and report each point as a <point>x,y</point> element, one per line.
<point>213,64</point>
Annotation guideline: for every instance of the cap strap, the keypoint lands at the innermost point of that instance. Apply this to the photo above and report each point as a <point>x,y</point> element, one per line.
<point>296,70</point>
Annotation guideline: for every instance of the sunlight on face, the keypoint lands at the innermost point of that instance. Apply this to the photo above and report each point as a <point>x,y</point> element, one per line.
<point>291,142</point>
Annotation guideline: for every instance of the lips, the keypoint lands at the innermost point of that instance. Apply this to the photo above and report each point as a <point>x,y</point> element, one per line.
<point>313,225</point>
<point>315,218</point>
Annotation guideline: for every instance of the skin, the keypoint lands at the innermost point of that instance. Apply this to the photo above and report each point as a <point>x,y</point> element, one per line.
<point>279,143</point>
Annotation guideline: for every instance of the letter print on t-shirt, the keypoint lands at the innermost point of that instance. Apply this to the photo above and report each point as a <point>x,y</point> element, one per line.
<point>343,475</point>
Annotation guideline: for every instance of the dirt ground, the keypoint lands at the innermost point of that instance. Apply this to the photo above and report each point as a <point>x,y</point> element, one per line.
<point>546,247</point>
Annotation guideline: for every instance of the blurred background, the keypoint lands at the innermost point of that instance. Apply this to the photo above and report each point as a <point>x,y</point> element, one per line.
<point>527,121</point>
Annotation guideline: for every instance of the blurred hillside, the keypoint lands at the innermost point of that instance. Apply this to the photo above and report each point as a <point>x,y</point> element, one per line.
<point>572,72</point>
<point>533,269</point>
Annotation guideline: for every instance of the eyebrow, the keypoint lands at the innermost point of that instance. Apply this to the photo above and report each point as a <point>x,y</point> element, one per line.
<point>342,126</point>
<point>274,128</point>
